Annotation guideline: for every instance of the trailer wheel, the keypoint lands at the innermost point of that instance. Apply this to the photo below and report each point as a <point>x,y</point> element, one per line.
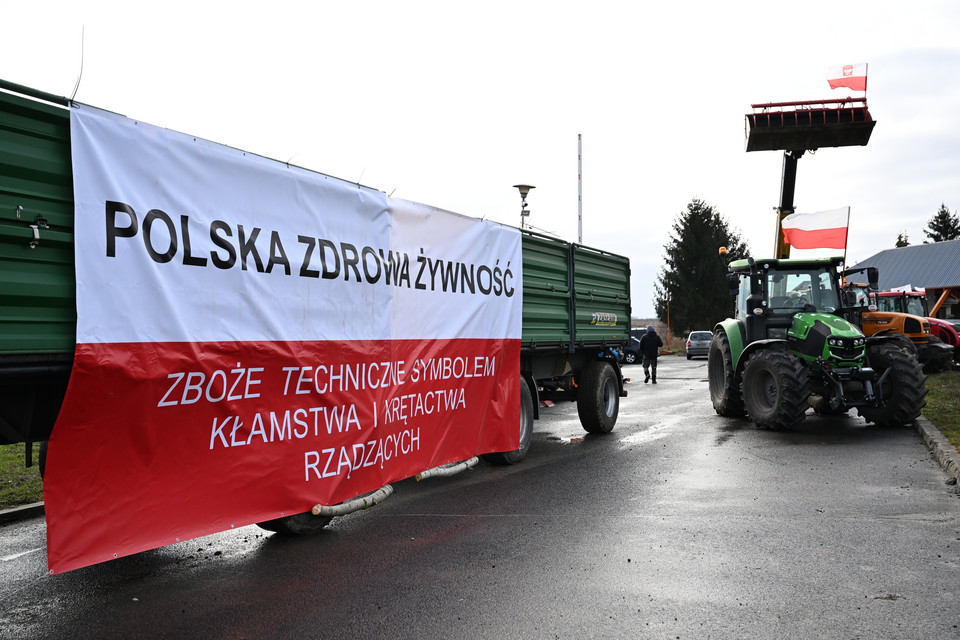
<point>598,397</point>
<point>903,389</point>
<point>526,430</point>
<point>775,389</point>
<point>299,524</point>
<point>724,387</point>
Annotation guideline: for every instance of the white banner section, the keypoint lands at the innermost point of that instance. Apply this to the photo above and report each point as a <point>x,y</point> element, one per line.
<point>183,239</point>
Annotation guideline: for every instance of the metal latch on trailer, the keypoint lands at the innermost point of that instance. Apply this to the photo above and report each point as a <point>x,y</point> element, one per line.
<point>38,223</point>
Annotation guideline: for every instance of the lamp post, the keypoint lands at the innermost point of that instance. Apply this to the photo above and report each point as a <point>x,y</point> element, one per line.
<point>524,212</point>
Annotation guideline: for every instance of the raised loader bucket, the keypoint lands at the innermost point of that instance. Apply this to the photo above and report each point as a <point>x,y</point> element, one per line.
<point>808,125</point>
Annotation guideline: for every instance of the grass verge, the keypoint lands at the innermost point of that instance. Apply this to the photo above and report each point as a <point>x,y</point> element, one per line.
<point>19,485</point>
<point>943,404</point>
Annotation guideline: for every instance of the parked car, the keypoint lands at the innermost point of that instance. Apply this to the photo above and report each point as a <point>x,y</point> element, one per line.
<point>698,343</point>
<point>630,353</point>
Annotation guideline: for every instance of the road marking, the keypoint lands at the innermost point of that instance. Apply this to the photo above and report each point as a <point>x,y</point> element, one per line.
<point>17,555</point>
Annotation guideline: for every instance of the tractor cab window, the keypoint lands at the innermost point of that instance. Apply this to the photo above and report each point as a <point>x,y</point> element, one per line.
<point>915,306</point>
<point>788,292</point>
<point>912,305</point>
<point>742,297</point>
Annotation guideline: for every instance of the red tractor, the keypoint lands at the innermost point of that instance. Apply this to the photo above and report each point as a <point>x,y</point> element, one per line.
<point>915,302</point>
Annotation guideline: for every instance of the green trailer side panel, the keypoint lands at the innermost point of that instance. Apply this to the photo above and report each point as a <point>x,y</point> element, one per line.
<point>562,281</point>
<point>546,292</point>
<point>37,284</point>
<point>602,287</point>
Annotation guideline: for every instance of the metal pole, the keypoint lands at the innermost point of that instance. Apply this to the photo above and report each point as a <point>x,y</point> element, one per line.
<point>668,322</point>
<point>579,190</point>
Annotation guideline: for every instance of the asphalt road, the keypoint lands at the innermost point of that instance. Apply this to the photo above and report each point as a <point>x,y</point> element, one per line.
<point>679,524</point>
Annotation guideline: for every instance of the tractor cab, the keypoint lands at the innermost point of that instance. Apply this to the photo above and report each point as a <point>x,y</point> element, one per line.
<point>772,292</point>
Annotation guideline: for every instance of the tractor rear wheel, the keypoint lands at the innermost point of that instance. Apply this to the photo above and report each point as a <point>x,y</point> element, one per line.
<point>775,388</point>
<point>724,386</point>
<point>903,389</point>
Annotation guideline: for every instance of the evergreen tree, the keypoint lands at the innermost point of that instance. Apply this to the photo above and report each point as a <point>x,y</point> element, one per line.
<point>902,240</point>
<point>693,278</point>
<point>943,225</point>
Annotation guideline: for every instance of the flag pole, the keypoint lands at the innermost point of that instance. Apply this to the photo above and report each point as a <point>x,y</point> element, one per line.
<point>846,235</point>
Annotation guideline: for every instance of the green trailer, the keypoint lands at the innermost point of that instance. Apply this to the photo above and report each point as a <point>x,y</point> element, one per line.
<point>576,306</point>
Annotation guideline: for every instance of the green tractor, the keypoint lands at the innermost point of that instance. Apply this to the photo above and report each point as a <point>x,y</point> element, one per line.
<point>791,347</point>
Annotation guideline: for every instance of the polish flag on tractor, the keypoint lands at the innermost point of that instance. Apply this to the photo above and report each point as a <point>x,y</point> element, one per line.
<point>821,230</point>
<point>851,76</point>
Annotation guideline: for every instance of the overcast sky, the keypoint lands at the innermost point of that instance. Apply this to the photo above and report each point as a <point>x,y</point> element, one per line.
<point>450,104</point>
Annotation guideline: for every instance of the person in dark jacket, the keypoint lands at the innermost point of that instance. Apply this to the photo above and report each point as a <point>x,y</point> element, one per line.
<point>650,345</point>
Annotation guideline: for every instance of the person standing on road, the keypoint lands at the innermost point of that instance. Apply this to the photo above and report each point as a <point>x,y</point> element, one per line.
<point>650,345</point>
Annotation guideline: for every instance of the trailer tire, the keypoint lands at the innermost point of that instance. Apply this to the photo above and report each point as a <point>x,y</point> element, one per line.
<point>904,389</point>
<point>299,524</point>
<point>526,431</point>
<point>724,386</point>
<point>598,397</point>
<point>775,388</point>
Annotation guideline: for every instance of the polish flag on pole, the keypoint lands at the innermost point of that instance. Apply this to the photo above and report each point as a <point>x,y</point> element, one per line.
<point>822,230</point>
<point>851,76</point>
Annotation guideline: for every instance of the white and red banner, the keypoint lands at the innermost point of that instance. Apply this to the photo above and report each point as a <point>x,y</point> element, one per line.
<point>821,230</point>
<point>851,76</point>
<point>254,339</point>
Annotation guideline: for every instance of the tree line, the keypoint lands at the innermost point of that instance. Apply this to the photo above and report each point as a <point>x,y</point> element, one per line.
<point>943,226</point>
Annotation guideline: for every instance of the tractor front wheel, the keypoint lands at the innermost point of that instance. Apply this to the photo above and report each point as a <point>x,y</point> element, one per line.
<point>724,386</point>
<point>903,389</point>
<point>775,389</point>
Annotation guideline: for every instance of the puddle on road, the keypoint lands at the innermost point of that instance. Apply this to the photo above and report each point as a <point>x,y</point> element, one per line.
<point>565,439</point>
<point>657,431</point>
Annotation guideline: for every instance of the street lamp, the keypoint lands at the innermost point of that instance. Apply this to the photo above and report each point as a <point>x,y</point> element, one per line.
<point>524,190</point>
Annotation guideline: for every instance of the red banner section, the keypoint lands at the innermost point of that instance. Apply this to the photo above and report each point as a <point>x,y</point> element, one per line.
<point>178,440</point>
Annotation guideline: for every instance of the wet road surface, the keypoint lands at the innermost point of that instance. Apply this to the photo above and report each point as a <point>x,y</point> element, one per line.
<point>679,524</point>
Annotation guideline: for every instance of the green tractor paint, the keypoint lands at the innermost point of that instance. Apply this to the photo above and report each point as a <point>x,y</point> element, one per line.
<point>791,346</point>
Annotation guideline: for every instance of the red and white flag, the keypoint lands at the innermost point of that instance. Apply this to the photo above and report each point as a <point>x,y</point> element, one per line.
<point>254,339</point>
<point>851,76</point>
<point>821,230</point>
